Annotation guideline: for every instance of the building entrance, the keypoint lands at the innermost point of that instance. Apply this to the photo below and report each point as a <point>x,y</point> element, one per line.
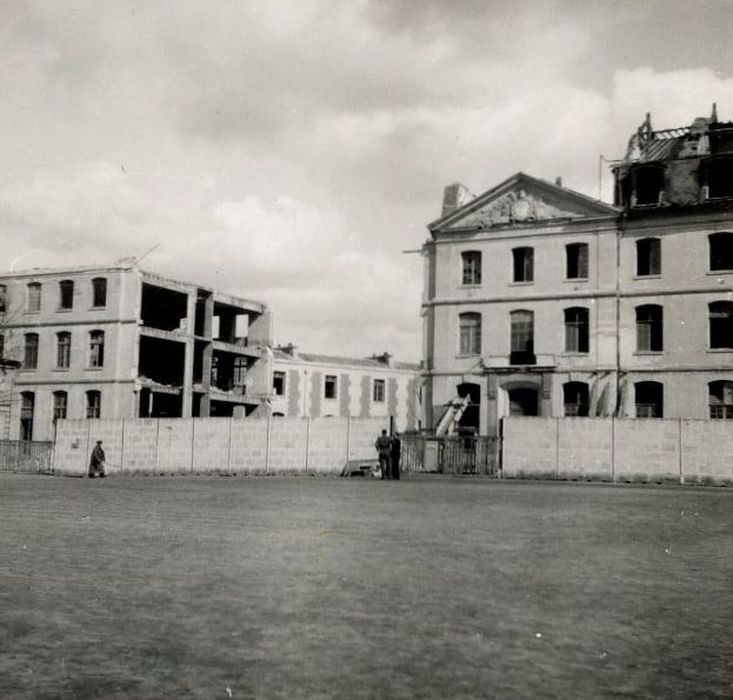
<point>523,402</point>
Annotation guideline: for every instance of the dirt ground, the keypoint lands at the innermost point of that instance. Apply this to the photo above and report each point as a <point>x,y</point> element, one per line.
<point>260,587</point>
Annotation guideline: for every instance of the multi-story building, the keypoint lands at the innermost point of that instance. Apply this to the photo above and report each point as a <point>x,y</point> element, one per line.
<point>541,301</point>
<point>304,384</point>
<point>119,342</point>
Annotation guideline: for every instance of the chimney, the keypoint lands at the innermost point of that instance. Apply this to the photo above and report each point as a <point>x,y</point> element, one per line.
<point>288,349</point>
<point>454,197</point>
<point>385,358</point>
<point>558,181</point>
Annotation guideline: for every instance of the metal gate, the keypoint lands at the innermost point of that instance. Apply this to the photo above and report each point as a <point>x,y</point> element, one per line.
<point>451,454</point>
<point>26,456</point>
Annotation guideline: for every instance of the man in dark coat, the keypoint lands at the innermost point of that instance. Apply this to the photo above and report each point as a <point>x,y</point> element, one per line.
<point>396,454</point>
<point>96,461</point>
<point>384,449</point>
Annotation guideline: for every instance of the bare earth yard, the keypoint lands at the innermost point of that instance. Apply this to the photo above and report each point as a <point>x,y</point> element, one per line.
<point>178,587</point>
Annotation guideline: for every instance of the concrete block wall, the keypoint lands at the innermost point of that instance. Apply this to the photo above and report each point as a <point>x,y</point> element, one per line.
<point>211,444</point>
<point>288,449</point>
<point>140,454</point>
<point>363,434</point>
<point>248,452</point>
<point>525,455</point>
<point>327,445</point>
<point>674,450</point>
<point>175,437</point>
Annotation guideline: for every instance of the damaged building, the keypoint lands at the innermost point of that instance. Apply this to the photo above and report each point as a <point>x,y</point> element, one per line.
<point>117,341</point>
<point>542,301</point>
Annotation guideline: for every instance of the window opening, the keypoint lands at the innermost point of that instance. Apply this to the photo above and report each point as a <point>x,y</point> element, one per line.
<point>66,294</point>
<point>471,267</point>
<point>649,398</point>
<point>96,349</point>
<point>721,324</point>
<point>63,350</point>
<point>720,399</point>
<point>649,328</point>
<point>648,257</point>
<point>576,329</point>
<point>469,332</point>
<point>523,264</point>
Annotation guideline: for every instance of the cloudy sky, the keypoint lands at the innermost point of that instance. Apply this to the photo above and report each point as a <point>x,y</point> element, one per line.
<point>290,151</point>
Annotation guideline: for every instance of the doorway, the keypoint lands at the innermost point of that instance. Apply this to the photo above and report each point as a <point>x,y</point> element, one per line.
<point>523,402</point>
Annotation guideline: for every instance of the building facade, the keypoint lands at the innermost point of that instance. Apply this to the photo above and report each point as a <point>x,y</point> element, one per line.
<point>117,342</point>
<point>319,386</point>
<point>541,301</point>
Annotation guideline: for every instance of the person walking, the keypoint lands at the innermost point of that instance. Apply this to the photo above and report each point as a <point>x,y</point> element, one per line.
<point>96,461</point>
<point>384,448</point>
<point>396,453</point>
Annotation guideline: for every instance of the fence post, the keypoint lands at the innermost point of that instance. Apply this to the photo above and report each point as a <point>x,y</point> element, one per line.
<point>267,446</point>
<point>307,441</point>
<point>229,446</point>
<point>613,449</point>
<point>679,450</point>
<point>193,442</point>
<point>157,448</point>
<point>89,437</point>
<point>122,446</point>
<point>557,447</point>
<point>348,436</point>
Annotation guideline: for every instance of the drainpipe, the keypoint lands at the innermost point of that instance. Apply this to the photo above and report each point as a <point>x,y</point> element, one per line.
<point>619,231</point>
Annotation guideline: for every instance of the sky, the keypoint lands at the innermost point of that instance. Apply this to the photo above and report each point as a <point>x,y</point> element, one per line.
<point>291,152</point>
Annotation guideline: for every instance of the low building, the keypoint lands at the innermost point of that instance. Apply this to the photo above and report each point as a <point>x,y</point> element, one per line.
<point>306,384</point>
<point>117,341</point>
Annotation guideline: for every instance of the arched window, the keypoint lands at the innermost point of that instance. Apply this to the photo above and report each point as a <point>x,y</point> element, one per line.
<point>99,291</point>
<point>721,251</point>
<point>60,404</point>
<point>63,350</point>
<point>649,398</point>
<point>34,296</point>
<point>576,261</point>
<point>30,353</point>
<point>648,257</point>
<point>649,328</point>
<point>721,324</point>
<point>27,408</point>
<point>469,334</point>
<point>576,329</point>
<point>522,337</point>
<point>575,398</point>
<point>720,399</point>
<point>94,404</point>
<point>66,294</point>
<point>471,260</point>
<point>523,263</point>
<point>96,349</point>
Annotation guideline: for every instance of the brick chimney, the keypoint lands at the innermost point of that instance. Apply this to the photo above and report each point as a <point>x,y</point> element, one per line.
<point>454,197</point>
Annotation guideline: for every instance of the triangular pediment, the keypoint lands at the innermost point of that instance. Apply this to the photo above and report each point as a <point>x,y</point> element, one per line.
<point>522,199</point>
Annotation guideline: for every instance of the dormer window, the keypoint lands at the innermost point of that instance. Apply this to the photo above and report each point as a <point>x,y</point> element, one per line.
<point>720,178</point>
<point>648,185</point>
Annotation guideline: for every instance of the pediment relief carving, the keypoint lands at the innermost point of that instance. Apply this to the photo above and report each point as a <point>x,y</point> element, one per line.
<point>517,206</point>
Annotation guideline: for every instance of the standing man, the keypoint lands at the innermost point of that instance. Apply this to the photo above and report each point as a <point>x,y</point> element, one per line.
<point>396,454</point>
<point>96,461</point>
<point>384,448</point>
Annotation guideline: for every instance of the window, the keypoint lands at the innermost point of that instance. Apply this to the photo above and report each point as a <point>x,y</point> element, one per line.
<point>94,404</point>
<point>96,349</point>
<point>27,405</point>
<point>720,177</point>
<point>278,383</point>
<point>471,267</point>
<point>66,294</point>
<point>60,403</point>
<point>649,398</point>
<point>576,329</point>
<point>649,185</point>
<point>2,345</point>
<point>721,324</point>
<point>575,398</point>
<point>378,391</point>
<point>99,291</point>
<point>34,296</point>
<point>469,334</point>
<point>240,371</point>
<point>63,350</point>
<point>522,338</point>
<point>576,261</point>
<point>523,264</point>
<point>30,354</point>
<point>329,387</point>
<point>649,328</point>
<point>721,251</point>
<point>648,257</point>
<point>720,399</point>
<point>3,298</point>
